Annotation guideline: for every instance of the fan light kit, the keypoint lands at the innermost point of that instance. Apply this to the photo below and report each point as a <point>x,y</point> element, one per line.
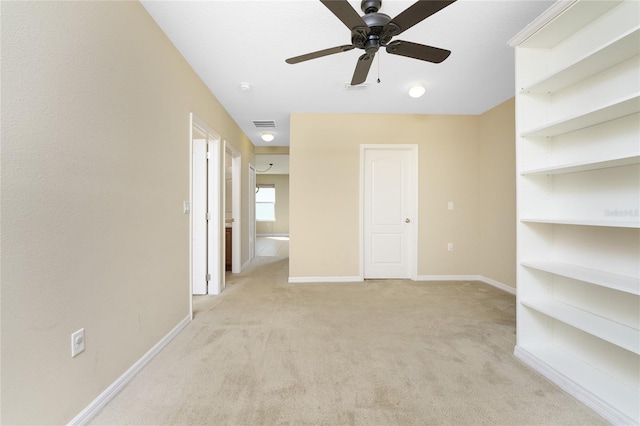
<point>374,30</point>
<point>268,137</point>
<point>416,90</point>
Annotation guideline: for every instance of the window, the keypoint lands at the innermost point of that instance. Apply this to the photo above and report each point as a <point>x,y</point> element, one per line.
<point>265,202</point>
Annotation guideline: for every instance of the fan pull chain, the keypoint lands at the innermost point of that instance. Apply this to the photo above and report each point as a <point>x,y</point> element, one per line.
<point>379,68</point>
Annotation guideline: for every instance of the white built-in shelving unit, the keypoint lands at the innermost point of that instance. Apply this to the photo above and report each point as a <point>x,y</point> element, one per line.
<point>578,162</point>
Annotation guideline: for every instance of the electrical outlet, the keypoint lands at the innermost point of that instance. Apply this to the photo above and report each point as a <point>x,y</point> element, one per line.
<point>450,246</point>
<point>77,342</point>
<point>450,205</point>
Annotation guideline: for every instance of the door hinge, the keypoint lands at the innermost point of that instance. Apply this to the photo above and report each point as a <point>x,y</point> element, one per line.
<point>208,155</point>
<point>207,277</point>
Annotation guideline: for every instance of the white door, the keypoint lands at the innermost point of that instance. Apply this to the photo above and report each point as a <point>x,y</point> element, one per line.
<point>199,215</point>
<point>205,208</point>
<point>215,283</point>
<point>389,200</point>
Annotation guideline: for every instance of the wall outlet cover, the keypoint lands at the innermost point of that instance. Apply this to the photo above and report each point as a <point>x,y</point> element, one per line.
<point>77,342</point>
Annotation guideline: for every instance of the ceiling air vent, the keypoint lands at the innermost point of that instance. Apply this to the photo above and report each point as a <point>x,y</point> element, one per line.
<point>348,87</point>
<point>264,124</point>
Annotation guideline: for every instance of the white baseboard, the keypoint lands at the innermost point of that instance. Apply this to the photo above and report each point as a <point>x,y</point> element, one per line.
<point>577,391</point>
<point>498,285</point>
<point>351,279</point>
<point>244,265</point>
<point>448,278</point>
<point>103,399</point>
<point>302,280</point>
<point>272,235</point>
<point>491,282</point>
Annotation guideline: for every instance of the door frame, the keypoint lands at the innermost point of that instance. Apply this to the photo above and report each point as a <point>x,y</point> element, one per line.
<point>252,212</point>
<point>236,197</point>
<point>213,206</point>
<point>413,208</point>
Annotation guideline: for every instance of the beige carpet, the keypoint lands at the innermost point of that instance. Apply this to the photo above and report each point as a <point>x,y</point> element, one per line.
<point>379,353</point>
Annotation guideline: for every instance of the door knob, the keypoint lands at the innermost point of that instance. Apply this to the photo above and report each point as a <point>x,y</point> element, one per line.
<point>407,220</point>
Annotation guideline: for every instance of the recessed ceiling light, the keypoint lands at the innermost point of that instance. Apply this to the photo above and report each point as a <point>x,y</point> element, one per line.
<point>268,137</point>
<point>245,86</point>
<point>416,90</point>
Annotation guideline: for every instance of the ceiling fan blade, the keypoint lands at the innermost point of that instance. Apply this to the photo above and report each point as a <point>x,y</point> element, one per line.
<point>418,51</point>
<point>362,68</point>
<point>320,53</point>
<point>344,12</point>
<point>417,12</point>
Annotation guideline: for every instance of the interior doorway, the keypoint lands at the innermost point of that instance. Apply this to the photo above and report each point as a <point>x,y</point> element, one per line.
<point>271,196</point>
<point>389,201</point>
<point>205,221</point>
<point>252,212</point>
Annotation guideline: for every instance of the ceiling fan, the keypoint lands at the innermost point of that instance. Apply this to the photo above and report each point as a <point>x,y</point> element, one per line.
<point>374,30</point>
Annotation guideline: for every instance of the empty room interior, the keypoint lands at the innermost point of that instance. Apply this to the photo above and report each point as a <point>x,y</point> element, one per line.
<point>320,212</point>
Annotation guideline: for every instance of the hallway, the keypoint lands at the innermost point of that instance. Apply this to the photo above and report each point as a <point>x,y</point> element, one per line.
<point>272,246</point>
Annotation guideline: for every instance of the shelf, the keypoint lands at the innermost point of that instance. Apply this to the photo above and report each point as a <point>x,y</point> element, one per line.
<point>618,334</point>
<point>586,222</point>
<point>577,157</point>
<point>604,279</point>
<point>566,367</point>
<point>624,47</point>
<point>584,166</point>
<point>617,109</point>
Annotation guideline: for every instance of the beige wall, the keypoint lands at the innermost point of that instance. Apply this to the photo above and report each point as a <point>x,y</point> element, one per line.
<point>497,211</point>
<point>272,150</point>
<point>95,168</point>
<point>281,225</point>
<point>325,173</point>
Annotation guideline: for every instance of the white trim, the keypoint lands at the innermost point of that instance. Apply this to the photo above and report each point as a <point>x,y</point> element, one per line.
<point>215,229</point>
<point>245,264</point>
<point>491,282</point>
<point>190,236</point>
<point>361,214</point>
<point>547,16</point>
<point>498,285</point>
<point>272,235</point>
<point>109,393</point>
<point>214,263</point>
<point>303,280</point>
<point>352,279</point>
<point>251,181</point>
<point>236,208</point>
<point>448,277</point>
<point>580,393</point>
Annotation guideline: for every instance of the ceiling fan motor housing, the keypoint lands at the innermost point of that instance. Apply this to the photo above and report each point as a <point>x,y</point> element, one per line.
<point>378,32</point>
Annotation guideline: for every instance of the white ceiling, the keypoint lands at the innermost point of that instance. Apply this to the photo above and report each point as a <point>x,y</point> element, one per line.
<point>232,42</point>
